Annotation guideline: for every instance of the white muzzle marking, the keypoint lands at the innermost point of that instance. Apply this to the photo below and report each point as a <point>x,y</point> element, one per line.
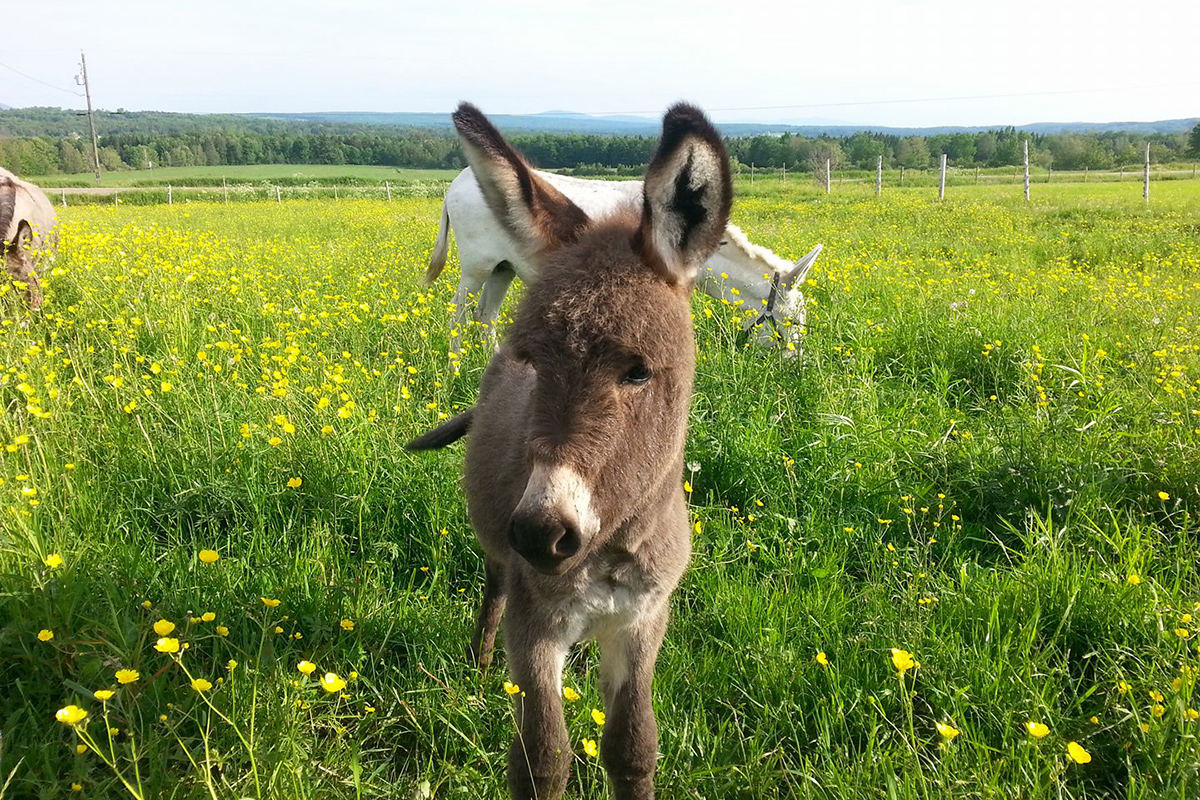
<point>563,491</point>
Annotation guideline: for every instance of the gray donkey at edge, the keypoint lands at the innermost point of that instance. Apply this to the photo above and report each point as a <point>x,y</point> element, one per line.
<point>574,465</point>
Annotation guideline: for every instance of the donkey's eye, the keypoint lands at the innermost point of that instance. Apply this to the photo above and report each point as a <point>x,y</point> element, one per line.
<point>637,375</point>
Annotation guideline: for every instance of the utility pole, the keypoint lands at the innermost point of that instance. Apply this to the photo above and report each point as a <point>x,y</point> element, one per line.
<point>87,91</point>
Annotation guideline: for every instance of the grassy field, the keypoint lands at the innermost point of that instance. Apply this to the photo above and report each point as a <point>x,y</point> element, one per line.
<point>988,457</point>
<point>261,173</point>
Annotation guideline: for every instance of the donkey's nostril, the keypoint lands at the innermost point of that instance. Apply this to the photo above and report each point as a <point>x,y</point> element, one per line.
<point>545,542</point>
<point>567,544</point>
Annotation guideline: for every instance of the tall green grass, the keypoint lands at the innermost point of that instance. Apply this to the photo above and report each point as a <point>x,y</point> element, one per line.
<point>965,463</point>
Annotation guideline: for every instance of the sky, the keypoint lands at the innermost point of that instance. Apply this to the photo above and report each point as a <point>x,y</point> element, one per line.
<point>874,62</point>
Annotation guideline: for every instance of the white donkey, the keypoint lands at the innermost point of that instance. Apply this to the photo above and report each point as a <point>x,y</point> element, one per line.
<point>746,275</point>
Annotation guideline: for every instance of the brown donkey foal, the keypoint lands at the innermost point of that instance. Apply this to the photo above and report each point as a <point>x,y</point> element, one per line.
<point>575,460</point>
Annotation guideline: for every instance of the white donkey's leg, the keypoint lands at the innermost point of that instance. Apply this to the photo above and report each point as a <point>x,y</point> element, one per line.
<point>494,289</point>
<point>469,287</point>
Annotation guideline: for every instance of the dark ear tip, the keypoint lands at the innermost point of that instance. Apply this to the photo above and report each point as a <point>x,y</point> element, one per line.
<point>683,118</point>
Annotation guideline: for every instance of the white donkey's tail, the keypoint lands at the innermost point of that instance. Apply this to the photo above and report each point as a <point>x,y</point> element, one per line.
<point>441,245</point>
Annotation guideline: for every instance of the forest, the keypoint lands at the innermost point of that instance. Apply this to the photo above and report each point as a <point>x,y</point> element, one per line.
<point>47,141</point>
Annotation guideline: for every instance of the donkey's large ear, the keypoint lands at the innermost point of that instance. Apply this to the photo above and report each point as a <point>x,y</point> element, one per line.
<point>537,215</point>
<point>688,193</point>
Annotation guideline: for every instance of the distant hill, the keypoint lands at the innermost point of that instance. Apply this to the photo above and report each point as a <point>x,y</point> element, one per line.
<point>66,122</point>
<point>574,122</point>
<point>4,107</point>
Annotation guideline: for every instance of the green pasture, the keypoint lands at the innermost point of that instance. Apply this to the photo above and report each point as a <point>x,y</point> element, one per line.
<point>987,456</point>
<point>290,174</point>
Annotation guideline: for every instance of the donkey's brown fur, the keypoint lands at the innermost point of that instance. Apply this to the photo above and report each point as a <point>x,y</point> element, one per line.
<point>28,227</point>
<point>574,466</point>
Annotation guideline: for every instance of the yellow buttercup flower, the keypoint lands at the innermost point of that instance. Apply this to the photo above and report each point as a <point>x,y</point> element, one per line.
<point>946,730</point>
<point>45,634</point>
<point>80,749</point>
<point>1077,753</point>
<point>307,667</point>
<point>511,688</point>
<point>270,602</point>
<point>822,659</point>
<point>103,694</point>
<point>166,645</point>
<point>201,685</point>
<point>598,716</point>
<point>127,675</point>
<point>1163,496</point>
<point>903,660</point>
<point>1133,579</point>
<point>347,624</point>
<point>207,616</point>
<point>54,561</point>
<point>164,627</point>
<point>589,747</point>
<point>1036,729</point>
<point>294,483</point>
<point>222,630</point>
<point>332,682</point>
<point>570,694</point>
<point>70,715</point>
<point>231,665</point>
<point>209,556</point>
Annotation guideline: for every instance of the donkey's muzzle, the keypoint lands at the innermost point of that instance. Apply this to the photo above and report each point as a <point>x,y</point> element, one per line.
<point>544,540</point>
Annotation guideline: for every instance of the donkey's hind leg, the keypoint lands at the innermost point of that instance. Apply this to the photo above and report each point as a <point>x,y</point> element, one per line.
<point>490,612</point>
<point>492,297</point>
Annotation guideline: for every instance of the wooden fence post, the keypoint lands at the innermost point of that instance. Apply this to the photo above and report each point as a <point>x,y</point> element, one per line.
<point>170,195</point>
<point>942,180</point>
<point>335,194</point>
<point>388,186</point>
<point>783,174</point>
<point>828,173</point>
<point>225,190</point>
<point>1146,176</point>
<point>751,173</point>
<point>64,193</point>
<point>1026,170</point>
<point>901,176</point>
<point>879,176</point>
<point>278,199</point>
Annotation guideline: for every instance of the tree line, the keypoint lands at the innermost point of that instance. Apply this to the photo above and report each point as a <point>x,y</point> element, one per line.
<point>52,141</point>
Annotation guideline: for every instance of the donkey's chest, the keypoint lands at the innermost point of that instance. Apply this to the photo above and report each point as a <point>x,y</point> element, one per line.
<point>604,602</point>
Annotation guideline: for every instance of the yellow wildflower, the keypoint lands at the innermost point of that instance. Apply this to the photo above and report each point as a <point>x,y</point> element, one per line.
<point>511,688</point>
<point>347,624</point>
<point>221,629</point>
<point>307,667</point>
<point>207,616</point>
<point>1077,753</point>
<point>71,715</point>
<point>209,556</point>
<point>1036,729</point>
<point>294,483</point>
<point>903,660</point>
<point>947,730</point>
<point>164,627</point>
<point>589,747</point>
<point>598,716</point>
<point>270,602</point>
<point>822,659</point>
<point>127,675</point>
<point>201,685</point>
<point>166,645</point>
<point>54,561</point>
<point>45,634</point>
<point>570,694</point>
<point>332,682</point>
<point>103,694</point>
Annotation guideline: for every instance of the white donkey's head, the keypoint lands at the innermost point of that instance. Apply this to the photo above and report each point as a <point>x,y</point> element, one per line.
<point>765,285</point>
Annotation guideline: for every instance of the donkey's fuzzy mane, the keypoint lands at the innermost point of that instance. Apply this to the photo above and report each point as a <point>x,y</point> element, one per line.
<point>735,236</point>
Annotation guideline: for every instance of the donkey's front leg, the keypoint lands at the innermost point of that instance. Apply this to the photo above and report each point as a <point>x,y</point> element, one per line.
<point>539,760</point>
<point>490,611</point>
<point>629,748</point>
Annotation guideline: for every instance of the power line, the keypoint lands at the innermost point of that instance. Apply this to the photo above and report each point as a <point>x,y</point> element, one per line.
<point>36,80</point>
